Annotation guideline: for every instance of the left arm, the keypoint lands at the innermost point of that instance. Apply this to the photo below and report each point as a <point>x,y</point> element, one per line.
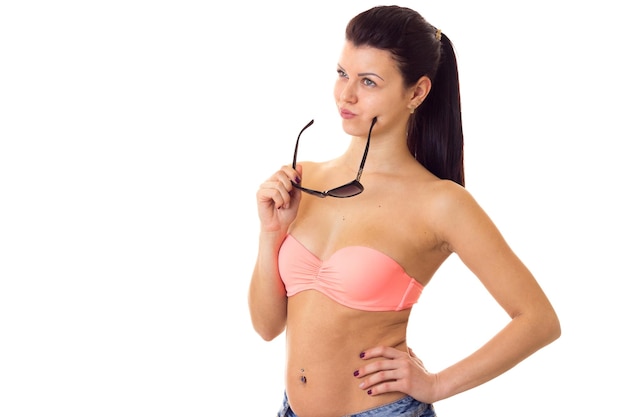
<point>464,228</point>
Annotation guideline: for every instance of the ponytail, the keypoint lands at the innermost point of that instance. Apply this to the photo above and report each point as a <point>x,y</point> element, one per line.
<point>435,132</point>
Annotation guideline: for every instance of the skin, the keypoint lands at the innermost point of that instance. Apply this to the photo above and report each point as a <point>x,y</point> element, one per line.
<point>354,360</point>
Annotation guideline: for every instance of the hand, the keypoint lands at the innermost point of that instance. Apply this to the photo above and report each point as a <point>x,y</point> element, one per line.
<point>278,199</point>
<point>397,371</point>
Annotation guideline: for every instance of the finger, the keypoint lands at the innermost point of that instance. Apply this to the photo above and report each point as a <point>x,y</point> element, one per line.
<point>381,377</point>
<point>395,385</point>
<point>288,175</point>
<point>273,192</point>
<point>376,367</point>
<point>415,358</point>
<point>382,352</point>
<point>268,199</point>
<point>279,187</point>
<point>299,173</point>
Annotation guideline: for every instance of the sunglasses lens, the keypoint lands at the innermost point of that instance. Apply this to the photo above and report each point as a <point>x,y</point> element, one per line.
<point>348,190</point>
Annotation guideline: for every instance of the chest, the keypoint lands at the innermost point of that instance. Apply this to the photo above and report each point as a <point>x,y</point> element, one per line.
<point>393,226</point>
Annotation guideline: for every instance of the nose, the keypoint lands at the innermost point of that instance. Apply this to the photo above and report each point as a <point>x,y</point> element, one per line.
<point>348,93</point>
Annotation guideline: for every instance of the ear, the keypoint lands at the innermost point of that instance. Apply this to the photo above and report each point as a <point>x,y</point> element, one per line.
<point>419,91</point>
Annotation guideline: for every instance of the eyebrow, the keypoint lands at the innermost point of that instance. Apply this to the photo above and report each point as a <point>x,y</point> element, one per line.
<point>363,74</point>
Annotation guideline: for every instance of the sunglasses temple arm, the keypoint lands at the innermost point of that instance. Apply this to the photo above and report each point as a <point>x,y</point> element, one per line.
<point>295,152</point>
<point>367,146</point>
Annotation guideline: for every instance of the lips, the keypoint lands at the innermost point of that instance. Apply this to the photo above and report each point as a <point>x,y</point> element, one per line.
<point>346,114</point>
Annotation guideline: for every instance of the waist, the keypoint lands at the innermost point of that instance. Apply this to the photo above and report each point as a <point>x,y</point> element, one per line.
<point>324,341</point>
<point>323,395</point>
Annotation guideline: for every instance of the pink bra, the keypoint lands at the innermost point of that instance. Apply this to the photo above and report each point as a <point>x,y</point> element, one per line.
<point>355,276</point>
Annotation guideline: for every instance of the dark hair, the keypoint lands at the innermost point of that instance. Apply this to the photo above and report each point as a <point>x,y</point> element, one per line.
<point>435,133</point>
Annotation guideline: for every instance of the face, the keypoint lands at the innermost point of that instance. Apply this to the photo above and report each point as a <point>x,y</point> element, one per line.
<point>370,85</point>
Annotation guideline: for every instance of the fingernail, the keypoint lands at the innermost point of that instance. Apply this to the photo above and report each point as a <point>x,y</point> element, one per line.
<point>356,373</point>
<point>369,392</point>
<point>298,180</point>
<point>362,355</point>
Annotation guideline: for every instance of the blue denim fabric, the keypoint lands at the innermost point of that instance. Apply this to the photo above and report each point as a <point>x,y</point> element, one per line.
<point>404,407</point>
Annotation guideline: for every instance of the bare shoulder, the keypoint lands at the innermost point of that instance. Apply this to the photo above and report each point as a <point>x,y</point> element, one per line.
<point>446,198</point>
<point>455,215</point>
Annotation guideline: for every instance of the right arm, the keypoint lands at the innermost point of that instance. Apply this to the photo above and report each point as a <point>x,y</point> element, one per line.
<point>277,202</point>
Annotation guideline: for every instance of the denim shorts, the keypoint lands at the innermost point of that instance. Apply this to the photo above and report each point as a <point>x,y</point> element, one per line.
<point>404,407</point>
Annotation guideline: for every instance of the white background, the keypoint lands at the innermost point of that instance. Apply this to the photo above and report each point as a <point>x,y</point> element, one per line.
<point>133,136</point>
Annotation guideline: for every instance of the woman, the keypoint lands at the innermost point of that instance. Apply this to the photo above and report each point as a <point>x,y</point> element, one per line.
<point>339,270</point>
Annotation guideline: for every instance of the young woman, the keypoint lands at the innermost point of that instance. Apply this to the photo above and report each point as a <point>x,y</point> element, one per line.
<point>339,270</point>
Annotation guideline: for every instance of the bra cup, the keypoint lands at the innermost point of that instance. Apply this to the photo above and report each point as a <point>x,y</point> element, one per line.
<point>354,276</point>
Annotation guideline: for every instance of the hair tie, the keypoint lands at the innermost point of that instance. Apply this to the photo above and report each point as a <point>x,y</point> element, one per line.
<point>438,35</point>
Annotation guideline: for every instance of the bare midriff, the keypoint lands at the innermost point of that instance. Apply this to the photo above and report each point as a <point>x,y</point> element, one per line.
<point>324,341</point>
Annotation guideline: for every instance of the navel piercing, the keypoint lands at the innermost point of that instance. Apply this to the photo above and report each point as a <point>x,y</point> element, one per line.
<point>303,377</point>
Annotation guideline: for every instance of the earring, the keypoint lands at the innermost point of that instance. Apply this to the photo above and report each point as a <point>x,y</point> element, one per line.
<point>412,109</point>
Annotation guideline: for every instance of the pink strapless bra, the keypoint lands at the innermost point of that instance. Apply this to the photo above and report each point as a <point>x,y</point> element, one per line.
<point>355,276</point>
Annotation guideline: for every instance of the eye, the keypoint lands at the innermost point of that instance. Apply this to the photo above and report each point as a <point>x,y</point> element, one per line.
<point>342,73</point>
<point>369,83</point>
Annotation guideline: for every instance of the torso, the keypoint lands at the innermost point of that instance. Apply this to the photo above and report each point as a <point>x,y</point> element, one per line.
<point>324,337</point>
<point>324,340</point>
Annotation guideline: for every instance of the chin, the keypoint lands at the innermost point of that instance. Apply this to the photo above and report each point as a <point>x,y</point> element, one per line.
<point>349,126</point>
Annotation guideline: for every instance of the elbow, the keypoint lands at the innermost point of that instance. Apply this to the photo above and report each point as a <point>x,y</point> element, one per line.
<point>268,321</point>
<point>268,337</point>
<point>267,325</point>
<point>554,327</point>
<point>548,327</point>
<point>542,327</point>
<point>268,333</point>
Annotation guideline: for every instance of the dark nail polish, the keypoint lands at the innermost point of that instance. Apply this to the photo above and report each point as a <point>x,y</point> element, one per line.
<point>356,373</point>
<point>369,392</point>
<point>298,180</point>
<point>362,355</point>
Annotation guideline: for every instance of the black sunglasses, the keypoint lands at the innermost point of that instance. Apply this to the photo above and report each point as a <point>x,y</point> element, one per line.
<point>347,190</point>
